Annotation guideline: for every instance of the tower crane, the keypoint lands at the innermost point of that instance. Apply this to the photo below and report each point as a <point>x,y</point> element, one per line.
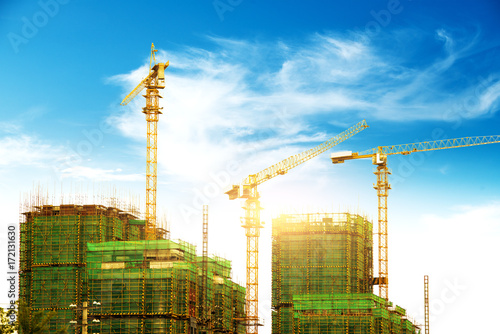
<point>379,159</point>
<point>154,81</point>
<point>251,221</point>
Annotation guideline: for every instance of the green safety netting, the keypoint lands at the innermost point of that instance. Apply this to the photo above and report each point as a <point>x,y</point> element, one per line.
<point>74,254</point>
<point>322,272</point>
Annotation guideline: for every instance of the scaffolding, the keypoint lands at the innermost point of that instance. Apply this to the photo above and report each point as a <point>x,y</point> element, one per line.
<point>322,277</point>
<point>53,254</point>
<point>154,287</point>
<point>75,255</point>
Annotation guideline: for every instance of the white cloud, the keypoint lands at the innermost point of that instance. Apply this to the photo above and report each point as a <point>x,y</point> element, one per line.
<point>9,127</point>
<point>43,157</point>
<point>456,250</point>
<point>462,243</point>
<point>27,150</point>
<point>466,219</point>
<point>489,99</point>
<point>98,174</point>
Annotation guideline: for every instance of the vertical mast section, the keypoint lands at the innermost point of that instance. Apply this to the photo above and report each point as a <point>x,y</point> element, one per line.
<point>152,112</point>
<point>204,308</point>
<point>426,303</point>
<point>382,186</point>
<point>251,223</point>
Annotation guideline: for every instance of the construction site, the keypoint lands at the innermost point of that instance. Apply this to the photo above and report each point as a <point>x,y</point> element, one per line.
<point>112,269</point>
<point>92,265</point>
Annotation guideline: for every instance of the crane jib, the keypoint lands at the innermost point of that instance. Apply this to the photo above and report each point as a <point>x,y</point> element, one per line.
<point>282,167</point>
<point>432,145</point>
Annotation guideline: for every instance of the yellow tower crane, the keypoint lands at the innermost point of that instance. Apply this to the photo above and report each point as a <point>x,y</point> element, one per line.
<point>251,221</point>
<point>379,158</point>
<point>154,81</point>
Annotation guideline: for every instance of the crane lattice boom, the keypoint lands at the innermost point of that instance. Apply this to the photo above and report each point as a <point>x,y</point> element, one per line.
<point>144,83</point>
<point>285,165</point>
<point>432,145</point>
<point>293,161</point>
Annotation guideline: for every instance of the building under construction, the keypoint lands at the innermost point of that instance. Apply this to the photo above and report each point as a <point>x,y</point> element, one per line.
<point>91,265</point>
<point>322,278</point>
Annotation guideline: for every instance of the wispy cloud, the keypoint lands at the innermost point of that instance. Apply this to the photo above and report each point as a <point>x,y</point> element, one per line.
<point>487,99</point>
<point>99,174</point>
<point>27,150</point>
<point>444,170</point>
<point>9,127</point>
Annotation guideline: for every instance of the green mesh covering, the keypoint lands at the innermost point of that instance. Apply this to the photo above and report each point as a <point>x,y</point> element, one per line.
<point>137,222</point>
<point>56,287</point>
<point>322,278</point>
<point>74,254</point>
<point>53,255</point>
<point>160,278</point>
<point>337,303</point>
<point>56,240</point>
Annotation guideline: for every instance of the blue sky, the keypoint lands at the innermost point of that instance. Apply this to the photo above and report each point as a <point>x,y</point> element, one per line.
<point>249,84</point>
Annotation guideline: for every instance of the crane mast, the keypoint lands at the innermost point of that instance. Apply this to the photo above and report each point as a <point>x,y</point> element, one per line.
<point>382,186</point>
<point>426,303</point>
<point>152,112</point>
<point>153,82</point>
<point>379,158</point>
<point>251,220</point>
<point>204,277</point>
<point>252,224</point>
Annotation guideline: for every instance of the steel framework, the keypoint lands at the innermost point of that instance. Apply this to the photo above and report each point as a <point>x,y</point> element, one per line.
<point>426,303</point>
<point>204,278</point>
